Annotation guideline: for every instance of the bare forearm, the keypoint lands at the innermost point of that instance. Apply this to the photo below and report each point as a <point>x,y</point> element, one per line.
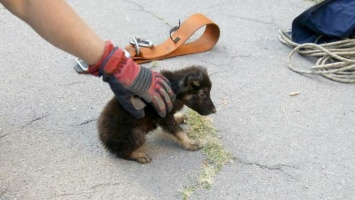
<point>56,22</point>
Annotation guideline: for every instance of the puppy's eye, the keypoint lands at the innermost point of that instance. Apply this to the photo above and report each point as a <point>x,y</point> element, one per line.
<point>202,95</point>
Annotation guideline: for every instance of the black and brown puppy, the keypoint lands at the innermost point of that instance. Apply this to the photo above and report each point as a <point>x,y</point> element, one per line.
<point>123,135</point>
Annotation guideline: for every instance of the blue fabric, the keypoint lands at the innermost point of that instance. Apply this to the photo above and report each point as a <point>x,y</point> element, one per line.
<point>335,19</point>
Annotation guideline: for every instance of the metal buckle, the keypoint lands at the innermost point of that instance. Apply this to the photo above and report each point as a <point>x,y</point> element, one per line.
<point>173,30</point>
<point>137,43</point>
<point>81,67</point>
<point>126,53</point>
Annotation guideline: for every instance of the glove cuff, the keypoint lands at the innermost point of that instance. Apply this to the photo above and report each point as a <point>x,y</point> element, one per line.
<point>94,69</point>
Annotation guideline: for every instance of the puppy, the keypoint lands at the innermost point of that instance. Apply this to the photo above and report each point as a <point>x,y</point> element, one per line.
<point>123,135</point>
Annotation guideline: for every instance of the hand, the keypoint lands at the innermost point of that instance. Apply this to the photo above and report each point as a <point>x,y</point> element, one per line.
<point>127,80</point>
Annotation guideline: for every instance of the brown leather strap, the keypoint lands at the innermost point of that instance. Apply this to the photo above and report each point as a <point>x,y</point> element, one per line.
<point>170,49</point>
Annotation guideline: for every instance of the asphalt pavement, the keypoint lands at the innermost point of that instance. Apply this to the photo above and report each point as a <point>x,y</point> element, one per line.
<point>285,146</point>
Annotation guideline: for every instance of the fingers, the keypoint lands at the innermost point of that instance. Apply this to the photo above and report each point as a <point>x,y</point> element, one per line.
<point>161,96</point>
<point>162,102</point>
<point>159,105</point>
<point>166,94</point>
<point>164,84</point>
<point>169,94</point>
<point>157,100</point>
<point>168,99</point>
<point>161,77</point>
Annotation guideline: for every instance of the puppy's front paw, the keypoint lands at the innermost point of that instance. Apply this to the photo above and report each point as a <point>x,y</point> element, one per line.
<point>188,143</point>
<point>180,117</point>
<point>193,145</point>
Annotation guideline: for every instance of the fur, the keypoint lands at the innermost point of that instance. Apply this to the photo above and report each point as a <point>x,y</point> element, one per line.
<point>123,135</point>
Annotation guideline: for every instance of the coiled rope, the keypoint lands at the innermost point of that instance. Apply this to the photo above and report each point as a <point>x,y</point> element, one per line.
<point>336,59</point>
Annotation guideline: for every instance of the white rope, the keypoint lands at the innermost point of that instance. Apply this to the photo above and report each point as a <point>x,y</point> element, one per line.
<point>336,60</point>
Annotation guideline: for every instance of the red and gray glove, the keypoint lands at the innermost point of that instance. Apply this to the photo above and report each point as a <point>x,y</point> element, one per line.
<point>128,80</point>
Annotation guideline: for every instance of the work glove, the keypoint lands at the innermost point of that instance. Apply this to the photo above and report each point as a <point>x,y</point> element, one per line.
<point>131,83</point>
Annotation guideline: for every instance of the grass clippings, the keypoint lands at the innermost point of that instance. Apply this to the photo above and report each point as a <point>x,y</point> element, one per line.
<point>154,64</point>
<point>316,1</point>
<point>216,156</point>
<point>294,93</point>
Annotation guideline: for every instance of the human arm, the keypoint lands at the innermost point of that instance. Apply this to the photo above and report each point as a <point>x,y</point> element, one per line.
<point>57,23</point>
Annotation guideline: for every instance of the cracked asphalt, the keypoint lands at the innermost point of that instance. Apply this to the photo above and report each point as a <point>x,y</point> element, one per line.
<point>285,147</point>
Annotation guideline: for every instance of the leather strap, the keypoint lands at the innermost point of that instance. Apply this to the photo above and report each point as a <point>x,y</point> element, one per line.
<point>171,48</point>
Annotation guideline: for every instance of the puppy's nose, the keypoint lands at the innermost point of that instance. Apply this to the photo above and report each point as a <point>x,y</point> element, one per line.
<point>214,110</point>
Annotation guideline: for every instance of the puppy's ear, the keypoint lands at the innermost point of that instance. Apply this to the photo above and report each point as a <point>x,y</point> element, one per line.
<point>194,80</point>
<point>190,81</point>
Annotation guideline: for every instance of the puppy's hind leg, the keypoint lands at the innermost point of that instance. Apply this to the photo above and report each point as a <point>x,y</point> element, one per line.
<point>139,156</point>
<point>133,147</point>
